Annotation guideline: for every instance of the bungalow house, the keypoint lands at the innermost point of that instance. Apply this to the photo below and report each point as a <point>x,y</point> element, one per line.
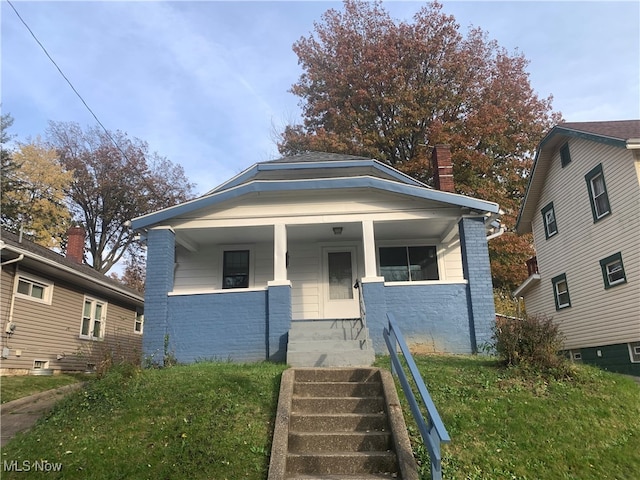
<point>258,266</point>
<point>582,206</point>
<point>59,314</point>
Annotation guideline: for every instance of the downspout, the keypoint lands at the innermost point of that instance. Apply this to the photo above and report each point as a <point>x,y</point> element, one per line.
<point>13,295</point>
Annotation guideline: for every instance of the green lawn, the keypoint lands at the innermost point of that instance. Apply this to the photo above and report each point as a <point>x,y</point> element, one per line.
<point>14,387</point>
<point>214,421</point>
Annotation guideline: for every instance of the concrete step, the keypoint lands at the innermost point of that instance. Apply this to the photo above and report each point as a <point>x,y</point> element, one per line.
<point>359,375</point>
<point>336,389</point>
<point>326,345</point>
<point>342,463</point>
<point>362,476</point>
<point>337,404</point>
<point>338,422</point>
<point>309,442</point>
<point>327,330</point>
<point>341,358</point>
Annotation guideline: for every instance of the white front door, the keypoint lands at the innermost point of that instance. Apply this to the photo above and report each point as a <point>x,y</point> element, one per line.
<point>340,298</point>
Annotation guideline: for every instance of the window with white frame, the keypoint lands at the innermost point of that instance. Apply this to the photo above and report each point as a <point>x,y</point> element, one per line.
<point>139,322</point>
<point>34,288</point>
<point>549,220</point>
<point>634,352</point>
<point>561,292</point>
<point>598,196</point>
<point>235,269</point>
<point>613,270</point>
<point>408,264</point>
<point>94,314</point>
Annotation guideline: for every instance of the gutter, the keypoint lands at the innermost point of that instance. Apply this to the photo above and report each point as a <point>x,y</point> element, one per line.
<point>17,259</point>
<point>500,231</point>
<point>633,143</point>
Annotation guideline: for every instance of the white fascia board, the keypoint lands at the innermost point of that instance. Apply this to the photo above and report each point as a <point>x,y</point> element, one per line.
<point>339,183</point>
<point>527,284</point>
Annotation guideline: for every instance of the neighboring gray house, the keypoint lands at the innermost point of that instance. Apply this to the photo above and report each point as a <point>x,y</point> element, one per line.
<point>318,238</point>
<point>59,314</point>
<point>582,205</point>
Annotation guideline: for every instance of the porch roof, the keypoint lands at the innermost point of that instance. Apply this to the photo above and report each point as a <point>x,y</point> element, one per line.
<point>306,185</point>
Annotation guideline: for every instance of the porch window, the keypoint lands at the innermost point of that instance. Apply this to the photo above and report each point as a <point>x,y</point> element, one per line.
<point>408,264</point>
<point>235,270</point>
<point>94,313</point>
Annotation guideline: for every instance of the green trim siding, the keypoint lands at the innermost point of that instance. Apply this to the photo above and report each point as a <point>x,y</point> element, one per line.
<point>614,358</point>
<point>593,173</point>
<point>616,257</point>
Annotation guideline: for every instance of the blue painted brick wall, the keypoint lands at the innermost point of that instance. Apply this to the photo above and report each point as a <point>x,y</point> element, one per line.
<point>431,317</point>
<point>223,326</point>
<point>279,321</point>
<point>160,261</point>
<point>477,270</point>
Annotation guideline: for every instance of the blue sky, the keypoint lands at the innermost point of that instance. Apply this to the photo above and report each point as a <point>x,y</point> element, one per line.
<point>206,83</point>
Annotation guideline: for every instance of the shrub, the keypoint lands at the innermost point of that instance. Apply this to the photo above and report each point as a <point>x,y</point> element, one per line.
<point>533,342</point>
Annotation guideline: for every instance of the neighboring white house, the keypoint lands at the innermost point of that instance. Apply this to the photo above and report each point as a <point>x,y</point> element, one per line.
<point>317,237</point>
<point>583,207</point>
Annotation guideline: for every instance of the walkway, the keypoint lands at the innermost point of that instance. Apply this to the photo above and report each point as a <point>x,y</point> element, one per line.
<point>21,414</point>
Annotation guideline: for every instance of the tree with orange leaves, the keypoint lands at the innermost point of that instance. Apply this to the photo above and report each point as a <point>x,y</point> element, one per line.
<point>390,90</point>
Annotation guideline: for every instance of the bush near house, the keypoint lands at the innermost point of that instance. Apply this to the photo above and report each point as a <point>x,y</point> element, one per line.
<point>533,342</point>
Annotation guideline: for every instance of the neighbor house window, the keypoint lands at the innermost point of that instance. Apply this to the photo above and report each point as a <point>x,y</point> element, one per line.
<point>549,220</point>
<point>94,314</point>
<point>408,264</point>
<point>139,323</point>
<point>34,289</point>
<point>597,193</point>
<point>561,291</point>
<point>565,156</point>
<point>634,352</point>
<point>613,270</point>
<point>235,270</point>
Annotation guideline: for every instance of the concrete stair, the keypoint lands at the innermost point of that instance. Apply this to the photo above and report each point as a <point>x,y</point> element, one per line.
<point>339,424</point>
<point>329,343</point>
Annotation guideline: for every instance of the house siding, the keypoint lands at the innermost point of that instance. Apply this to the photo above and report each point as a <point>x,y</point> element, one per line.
<point>597,316</point>
<point>48,331</point>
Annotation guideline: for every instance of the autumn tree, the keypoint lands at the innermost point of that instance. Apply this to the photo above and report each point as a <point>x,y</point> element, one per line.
<point>115,179</point>
<point>36,198</point>
<point>391,90</point>
<point>8,167</point>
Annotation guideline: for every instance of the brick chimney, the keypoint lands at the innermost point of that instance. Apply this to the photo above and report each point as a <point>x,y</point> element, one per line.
<point>442,168</point>
<point>75,244</point>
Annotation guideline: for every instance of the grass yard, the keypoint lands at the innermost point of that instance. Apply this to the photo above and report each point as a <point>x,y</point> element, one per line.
<point>505,427</point>
<point>214,421</point>
<point>14,387</point>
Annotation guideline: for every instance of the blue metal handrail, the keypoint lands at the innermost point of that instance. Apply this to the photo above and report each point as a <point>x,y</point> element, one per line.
<point>432,430</point>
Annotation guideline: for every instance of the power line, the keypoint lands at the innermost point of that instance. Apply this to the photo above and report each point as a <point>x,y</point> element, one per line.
<point>82,100</point>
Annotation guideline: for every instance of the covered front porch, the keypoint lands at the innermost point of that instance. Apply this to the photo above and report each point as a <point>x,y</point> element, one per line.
<point>232,291</point>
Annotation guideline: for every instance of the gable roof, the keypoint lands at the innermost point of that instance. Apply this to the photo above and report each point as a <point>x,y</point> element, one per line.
<point>315,171</point>
<point>619,133</point>
<point>42,259</point>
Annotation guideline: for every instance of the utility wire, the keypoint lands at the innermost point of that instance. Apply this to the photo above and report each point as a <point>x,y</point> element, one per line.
<point>82,100</point>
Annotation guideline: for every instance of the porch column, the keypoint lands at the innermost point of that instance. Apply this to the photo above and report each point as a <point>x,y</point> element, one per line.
<point>279,252</point>
<point>369,243</point>
<point>477,271</point>
<point>160,265</point>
